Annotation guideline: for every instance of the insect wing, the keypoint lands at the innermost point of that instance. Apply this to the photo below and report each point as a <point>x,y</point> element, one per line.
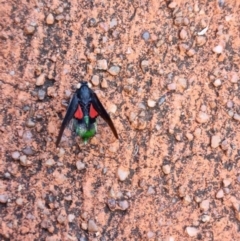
<point>103,113</point>
<point>69,115</point>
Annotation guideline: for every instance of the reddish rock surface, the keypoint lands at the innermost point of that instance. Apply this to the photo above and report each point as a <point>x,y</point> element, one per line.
<point>163,51</point>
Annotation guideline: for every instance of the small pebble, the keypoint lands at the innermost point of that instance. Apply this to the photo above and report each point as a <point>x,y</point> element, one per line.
<point>218,49</point>
<point>189,136</point>
<point>201,40</point>
<point>113,23</point>
<point>114,70</point>
<point>41,94</point>
<point>186,21</point>
<point>95,80</point>
<point>181,191</point>
<point>171,86</point>
<point>15,155</point>
<point>7,175</point>
<point>202,117</point>
<point>24,161</point>
<point>144,65</point>
<point>84,226</point>
<point>102,64</point>
<point>62,217</point>
<point>217,83</point>
<point>220,194</point>
<point>71,217</point>
<point>104,26</point>
<point>187,200</point>
<point>227,182</point>
<point>151,103</point>
<point>122,173</point>
<point>124,205</point>
<point>224,145</point>
<point>166,169</point>
<point>205,218</point>
<point>161,100</point>
<point>182,83</point>
<point>59,17</point>
<point>59,10</point>
<point>172,5</point>
<point>234,78</point>
<point>28,151</point>
<point>236,117</point>
<point>178,21</point>
<point>92,226</point>
<point>226,190</point>
<point>229,104</point>
<point>92,22</point>
<point>183,34</point>
<point>3,198</point>
<point>150,234</point>
<point>197,199</point>
<point>30,123</point>
<point>215,141</point>
<point>80,165</point>
<point>50,162</point>
<point>150,191</point>
<point>104,84</point>
<point>204,205</point>
<point>191,52</point>
<point>146,35</point>
<point>50,19</point>
<point>19,201</point>
<point>236,205</point>
<point>29,29</point>
<point>113,108</point>
<point>46,223</point>
<point>40,79</point>
<point>191,231</point>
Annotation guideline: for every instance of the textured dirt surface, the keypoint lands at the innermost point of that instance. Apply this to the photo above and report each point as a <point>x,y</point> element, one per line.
<point>174,173</point>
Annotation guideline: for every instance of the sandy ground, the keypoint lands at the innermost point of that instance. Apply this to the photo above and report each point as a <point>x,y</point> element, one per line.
<point>174,173</point>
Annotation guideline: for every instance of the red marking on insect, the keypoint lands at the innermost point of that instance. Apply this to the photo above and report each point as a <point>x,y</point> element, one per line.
<point>78,114</point>
<point>92,113</point>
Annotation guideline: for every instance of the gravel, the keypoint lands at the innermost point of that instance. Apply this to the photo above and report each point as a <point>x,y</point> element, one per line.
<point>114,70</point>
<point>146,35</point>
<point>80,165</point>
<point>95,80</point>
<point>123,205</point>
<point>192,231</point>
<point>15,155</point>
<point>50,19</point>
<point>227,182</point>
<point>41,94</point>
<point>3,198</point>
<point>202,117</point>
<point>30,123</point>
<point>215,141</point>
<point>122,173</point>
<point>102,64</point>
<point>28,151</point>
<point>166,169</point>
<point>151,103</point>
<point>40,79</point>
<point>92,226</point>
<point>29,30</point>
<point>204,205</point>
<point>218,49</point>
<point>220,194</point>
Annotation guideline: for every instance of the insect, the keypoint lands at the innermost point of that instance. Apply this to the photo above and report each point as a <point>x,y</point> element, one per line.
<point>84,108</point>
